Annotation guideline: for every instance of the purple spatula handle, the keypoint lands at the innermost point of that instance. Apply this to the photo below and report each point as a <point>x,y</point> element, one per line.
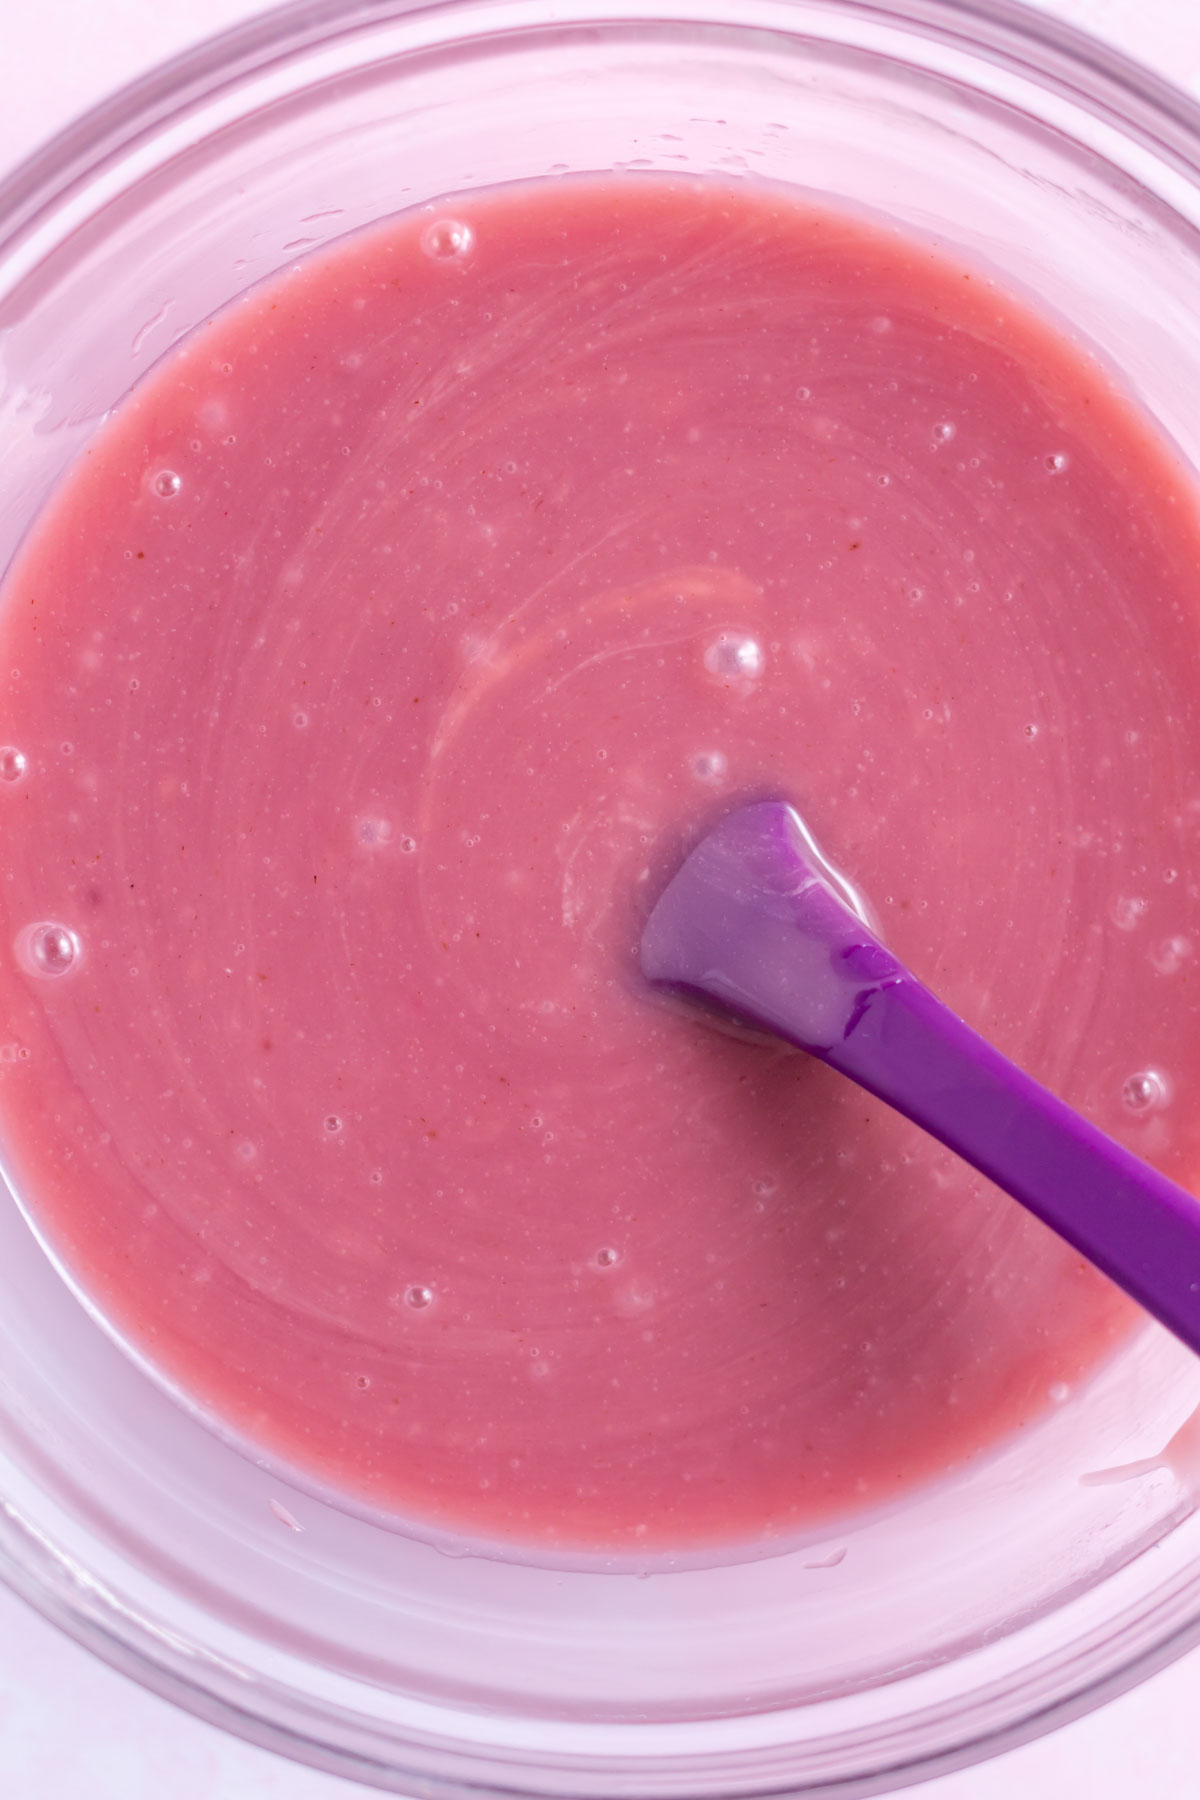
<point>1123,1215</point>
<point>754,922</point>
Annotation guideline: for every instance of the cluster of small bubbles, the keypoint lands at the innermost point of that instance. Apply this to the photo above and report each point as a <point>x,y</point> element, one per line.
<point>1127,912</point>
<point>607,1258</point>
<point>734,657</point>
<point>1057,462</point>
<point>418,1296</point>
<point>373,833</point>
<point>447,238</point>
<point>166,484</point>
<point>48,949</point>
<point>1058,1392</point>
<point>943,433</point>
<point>332,1124</point>
<point>1145,1091</point>
<point>300,720</point>
<point>710,765</point>
<point>1169,956</point>
<point>13,763</point>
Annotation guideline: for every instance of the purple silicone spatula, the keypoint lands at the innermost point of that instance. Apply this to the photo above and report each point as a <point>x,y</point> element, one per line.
<point>757,922</point>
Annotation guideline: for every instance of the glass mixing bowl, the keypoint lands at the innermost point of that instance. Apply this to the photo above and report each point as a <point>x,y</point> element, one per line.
<point>985,1608</point>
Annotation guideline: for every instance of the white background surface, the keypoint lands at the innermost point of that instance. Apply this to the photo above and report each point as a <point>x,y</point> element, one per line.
<point>70,1729</point>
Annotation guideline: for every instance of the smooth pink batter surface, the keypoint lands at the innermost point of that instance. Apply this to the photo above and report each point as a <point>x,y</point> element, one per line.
<point>369,672</point>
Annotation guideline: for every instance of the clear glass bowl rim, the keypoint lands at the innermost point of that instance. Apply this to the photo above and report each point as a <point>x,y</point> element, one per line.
<point>1049,51</point>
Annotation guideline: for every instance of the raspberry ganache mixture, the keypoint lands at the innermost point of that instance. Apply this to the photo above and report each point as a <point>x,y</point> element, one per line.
<point>362,683</point>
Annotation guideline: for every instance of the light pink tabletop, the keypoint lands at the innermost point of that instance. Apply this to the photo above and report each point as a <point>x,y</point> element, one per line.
<point>69,1727</point>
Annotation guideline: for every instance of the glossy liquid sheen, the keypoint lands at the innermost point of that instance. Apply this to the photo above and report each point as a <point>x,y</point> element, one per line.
<point>362,684</point>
